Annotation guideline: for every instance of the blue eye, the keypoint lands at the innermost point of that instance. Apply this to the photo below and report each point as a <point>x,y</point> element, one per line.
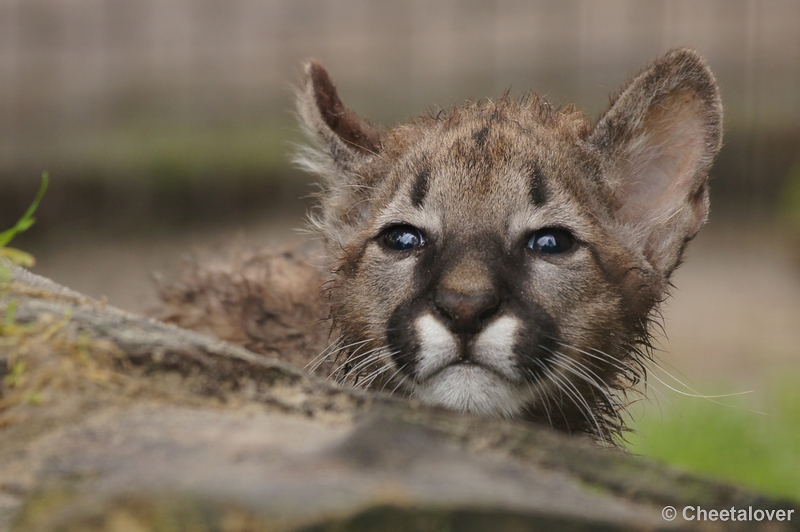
<point>402,238</point>
<point>551,241</point>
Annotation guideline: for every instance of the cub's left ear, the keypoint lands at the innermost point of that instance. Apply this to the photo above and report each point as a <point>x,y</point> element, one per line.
<point>344,136</point>
<point>657,142</point>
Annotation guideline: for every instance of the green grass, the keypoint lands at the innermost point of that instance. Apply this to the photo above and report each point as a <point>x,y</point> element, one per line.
<point>23,224</point>
<point>734,443</point>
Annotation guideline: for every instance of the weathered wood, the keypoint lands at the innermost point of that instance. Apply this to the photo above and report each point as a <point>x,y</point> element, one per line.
<point>120,422</point>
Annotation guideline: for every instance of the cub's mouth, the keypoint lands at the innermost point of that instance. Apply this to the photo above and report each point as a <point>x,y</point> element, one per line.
<point>471,387</point>
<point>467,364</point>
<point>476,373</point>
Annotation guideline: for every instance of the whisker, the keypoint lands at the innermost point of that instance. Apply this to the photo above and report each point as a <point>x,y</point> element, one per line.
<point>348,360</point>
<point>542,397</point>
<point>403,378</point>
<point>605,357</point>
<point>695,393</point>
<point>391,377</point>
<point>369,379</point>
<point>331,351</point>
<point>580,402</point>
<point>360,374</point>
<point>547,371</point>
<point>578,369</point>
<point>709,397</point>
<point>371,358</point>
<point>568,365</point>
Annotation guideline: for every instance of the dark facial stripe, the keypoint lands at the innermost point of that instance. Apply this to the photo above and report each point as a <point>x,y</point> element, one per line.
<point>420,188</point>
<point>538,188</point>
<point>480,136</point>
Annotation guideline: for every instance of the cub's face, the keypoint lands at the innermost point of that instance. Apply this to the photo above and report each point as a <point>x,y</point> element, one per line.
<point>485,265</point>
<point>505,259</point>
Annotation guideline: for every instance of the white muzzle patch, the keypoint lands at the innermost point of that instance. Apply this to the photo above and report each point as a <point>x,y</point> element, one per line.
<point>487,386</point>
<point>494,346</point>
<point>438,346</point>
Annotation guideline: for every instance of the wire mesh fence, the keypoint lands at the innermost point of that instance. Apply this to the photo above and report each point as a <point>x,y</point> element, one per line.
<point>114,88</point>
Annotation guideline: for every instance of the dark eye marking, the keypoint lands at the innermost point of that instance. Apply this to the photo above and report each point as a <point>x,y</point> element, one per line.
<point>401,238</point>
<point>480,136</point>
<point>551,241</point>
<point>538,189</point>
<point>420,188</point>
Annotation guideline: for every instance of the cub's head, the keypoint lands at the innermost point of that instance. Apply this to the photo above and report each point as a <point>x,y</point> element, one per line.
<point>505,258</point>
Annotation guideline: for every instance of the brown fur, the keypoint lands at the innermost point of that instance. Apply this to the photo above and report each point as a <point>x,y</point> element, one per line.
<point>500,328</point>
<point>267,301</point>
<point>342,121</point>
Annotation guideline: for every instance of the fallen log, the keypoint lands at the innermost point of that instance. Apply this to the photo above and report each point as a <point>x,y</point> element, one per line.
<point>111,421</point>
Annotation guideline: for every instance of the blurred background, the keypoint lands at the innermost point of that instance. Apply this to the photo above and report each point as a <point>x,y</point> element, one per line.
<point>167,125</point>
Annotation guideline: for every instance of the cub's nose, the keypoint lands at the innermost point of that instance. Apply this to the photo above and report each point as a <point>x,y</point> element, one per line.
<point>466,312</point>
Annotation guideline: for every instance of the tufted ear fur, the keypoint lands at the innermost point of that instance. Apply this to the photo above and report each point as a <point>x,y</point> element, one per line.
<point>343,135</point>
<point>345,144</point>
<point>658,140</point>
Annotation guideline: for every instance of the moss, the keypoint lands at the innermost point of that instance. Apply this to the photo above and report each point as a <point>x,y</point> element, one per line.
<point>64,509</point>
<point>443,519</point>
<point>33,376</point>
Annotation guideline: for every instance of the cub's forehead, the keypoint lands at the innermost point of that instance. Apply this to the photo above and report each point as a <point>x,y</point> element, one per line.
<point>486,168</point>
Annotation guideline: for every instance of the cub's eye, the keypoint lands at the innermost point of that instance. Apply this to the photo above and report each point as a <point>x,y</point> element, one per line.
<point>402,238</point>
<point>551,241</point>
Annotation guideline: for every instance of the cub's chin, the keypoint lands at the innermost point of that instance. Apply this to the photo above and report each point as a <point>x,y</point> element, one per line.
<point>472,388</point>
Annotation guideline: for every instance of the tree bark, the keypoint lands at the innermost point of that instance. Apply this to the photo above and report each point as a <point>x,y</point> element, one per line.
<point>111,421</point>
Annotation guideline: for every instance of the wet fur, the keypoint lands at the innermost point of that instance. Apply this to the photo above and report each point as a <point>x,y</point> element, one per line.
<point>479,180</point>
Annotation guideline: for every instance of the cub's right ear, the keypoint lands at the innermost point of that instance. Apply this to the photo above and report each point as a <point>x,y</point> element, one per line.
<point>342,133</point>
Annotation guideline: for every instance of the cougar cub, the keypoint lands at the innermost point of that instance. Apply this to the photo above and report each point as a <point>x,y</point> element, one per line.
<point>506,258</point>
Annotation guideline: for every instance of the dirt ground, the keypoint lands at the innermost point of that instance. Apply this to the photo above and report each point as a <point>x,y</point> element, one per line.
<point>733,321</point>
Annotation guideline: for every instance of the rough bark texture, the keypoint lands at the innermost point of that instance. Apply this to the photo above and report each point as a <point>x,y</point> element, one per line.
<point>115,422</point>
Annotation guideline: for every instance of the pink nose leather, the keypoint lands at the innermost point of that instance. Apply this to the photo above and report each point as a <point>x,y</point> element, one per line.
<point>466,313</point>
